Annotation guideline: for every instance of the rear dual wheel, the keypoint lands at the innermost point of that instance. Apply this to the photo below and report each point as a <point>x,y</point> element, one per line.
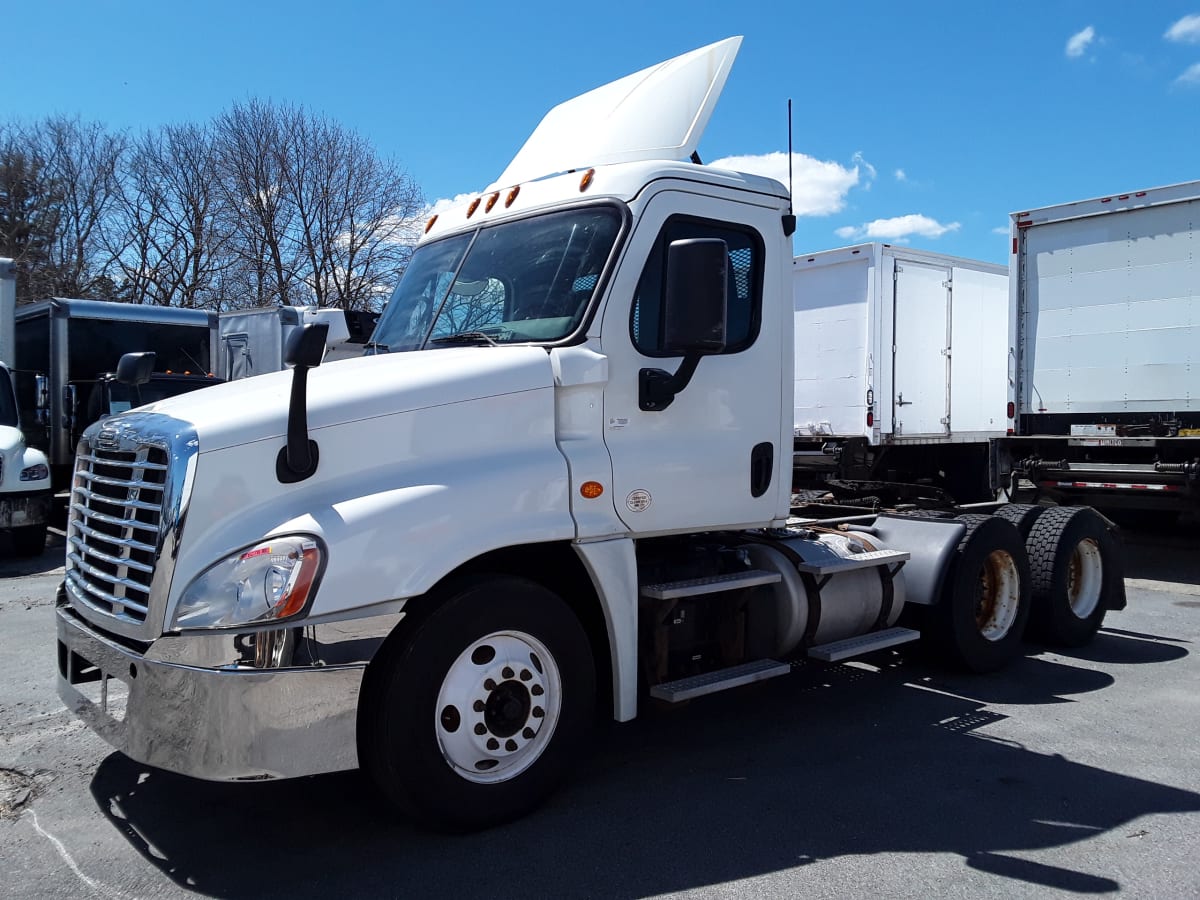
<point>985,599</point>
<point>474,716</point>
<point>1076,574</point>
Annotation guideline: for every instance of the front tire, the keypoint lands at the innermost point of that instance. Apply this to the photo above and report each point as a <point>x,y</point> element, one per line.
<point>29,540</point>
<point>473,718</point>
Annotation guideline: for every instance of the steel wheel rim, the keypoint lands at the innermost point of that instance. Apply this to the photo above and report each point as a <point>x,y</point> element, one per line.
<point>999,596</point>
<point>498,706</point>
<point>1085,578</point>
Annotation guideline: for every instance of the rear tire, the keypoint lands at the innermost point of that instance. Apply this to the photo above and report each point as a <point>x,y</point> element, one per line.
<point>984,604</point>
<point>473,717</point>
<point>1023,515</point>
<point>1074,557</point>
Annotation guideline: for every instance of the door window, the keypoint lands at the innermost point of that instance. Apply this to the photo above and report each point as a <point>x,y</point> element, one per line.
<point>744,290</point>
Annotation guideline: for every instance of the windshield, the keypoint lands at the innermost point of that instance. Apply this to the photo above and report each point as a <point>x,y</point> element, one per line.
<point>529,280</point>
<point>8,404</point>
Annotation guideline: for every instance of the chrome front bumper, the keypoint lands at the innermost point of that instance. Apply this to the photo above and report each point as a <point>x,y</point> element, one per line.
<point>220,724</point>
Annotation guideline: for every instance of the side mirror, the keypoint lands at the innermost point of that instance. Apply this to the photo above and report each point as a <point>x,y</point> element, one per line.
<point>136,368</point>
<point>41,399</point>
<point>697,296</point>
<point>306,346</point>
<point>694,312</point>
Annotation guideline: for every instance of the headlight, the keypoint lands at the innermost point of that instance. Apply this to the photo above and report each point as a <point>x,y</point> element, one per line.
<point>270,581</point>
<point>40,472</point>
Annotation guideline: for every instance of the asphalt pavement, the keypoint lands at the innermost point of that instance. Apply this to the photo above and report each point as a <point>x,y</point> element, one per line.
<point>1066,774</point>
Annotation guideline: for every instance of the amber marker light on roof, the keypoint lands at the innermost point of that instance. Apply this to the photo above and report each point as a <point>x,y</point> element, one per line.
<point>586,181</point>
<point>429,224</point>
<point>491,201</point>
<point>591,489</point>
<point>474,206</point>
<point>512,195</point>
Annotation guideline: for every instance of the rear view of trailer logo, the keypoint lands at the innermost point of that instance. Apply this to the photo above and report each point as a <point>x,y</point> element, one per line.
<point>638,501</point>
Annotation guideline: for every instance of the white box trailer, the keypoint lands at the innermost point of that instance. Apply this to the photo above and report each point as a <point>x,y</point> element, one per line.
<point>901,366</point>
<point>1107,335</point>
<point>253,340</point>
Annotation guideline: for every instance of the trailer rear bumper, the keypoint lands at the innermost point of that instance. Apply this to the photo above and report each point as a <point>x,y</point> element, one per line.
<point>227,724</point>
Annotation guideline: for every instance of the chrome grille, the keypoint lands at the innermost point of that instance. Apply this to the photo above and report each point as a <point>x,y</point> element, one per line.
<point>117,506</point>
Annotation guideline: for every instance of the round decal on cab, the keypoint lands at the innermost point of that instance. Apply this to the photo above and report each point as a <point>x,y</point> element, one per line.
<point>638,501</point>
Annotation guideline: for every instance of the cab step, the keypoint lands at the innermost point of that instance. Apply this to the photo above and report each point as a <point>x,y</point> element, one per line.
<point>723,679</point>
<point>857,561</point>
<point>863,643</point>
<point>711,584</point>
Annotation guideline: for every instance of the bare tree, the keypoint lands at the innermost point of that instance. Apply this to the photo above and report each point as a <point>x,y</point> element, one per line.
<point>323,219</point>
<point>82,162</point>
<point>29,207</point>
<point>171,246</point>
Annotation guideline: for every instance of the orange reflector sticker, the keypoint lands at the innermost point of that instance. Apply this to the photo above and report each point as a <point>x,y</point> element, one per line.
<point>591,489</point>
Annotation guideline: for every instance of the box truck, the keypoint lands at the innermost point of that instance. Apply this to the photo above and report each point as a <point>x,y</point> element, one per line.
<point>561,487</point>
<point>78,343</point>
<point>253,340</point>
<point>901,368</point>
<point>1106,329</point>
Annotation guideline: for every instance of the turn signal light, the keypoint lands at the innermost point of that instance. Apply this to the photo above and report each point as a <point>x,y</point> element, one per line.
<point>590,490</point>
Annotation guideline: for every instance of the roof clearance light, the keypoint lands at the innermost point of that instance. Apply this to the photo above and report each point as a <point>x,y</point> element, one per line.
<point>512,195</point>
<point>491,201</point>
<point>429,224</point>
<point>590,490</point>
<point>474,206</point>
<point>586,181</point>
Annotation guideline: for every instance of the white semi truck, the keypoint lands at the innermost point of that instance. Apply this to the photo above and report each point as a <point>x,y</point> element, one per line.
<point>564,489</point>
<point>901,369</point>
<point>25,494</point>
<point>1106,331</point>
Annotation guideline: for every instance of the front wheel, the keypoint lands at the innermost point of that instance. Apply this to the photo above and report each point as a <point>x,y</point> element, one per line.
<point>29,540</point>
<point>475,716</point>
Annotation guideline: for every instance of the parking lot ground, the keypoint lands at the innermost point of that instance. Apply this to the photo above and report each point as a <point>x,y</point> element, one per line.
<point>1067,774</point>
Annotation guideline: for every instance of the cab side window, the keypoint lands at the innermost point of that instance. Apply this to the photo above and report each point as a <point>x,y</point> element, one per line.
<point>744,289</point>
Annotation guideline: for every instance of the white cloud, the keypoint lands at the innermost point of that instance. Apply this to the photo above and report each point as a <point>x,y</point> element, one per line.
<point>897,228</point>
<point>1002,229</point>
<point>819,186</point>
<point>901,175</point>
<point>1190,76</point>
<point>858,160</point>
<point>1185,31</point>
<point>1078,43</point>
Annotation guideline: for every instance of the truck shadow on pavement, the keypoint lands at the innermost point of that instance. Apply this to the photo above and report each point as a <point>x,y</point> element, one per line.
<point>835,761</point>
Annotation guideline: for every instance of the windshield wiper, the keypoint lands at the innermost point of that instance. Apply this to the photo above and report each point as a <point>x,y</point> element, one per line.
<point>465,337</point>
<point>377,347</point>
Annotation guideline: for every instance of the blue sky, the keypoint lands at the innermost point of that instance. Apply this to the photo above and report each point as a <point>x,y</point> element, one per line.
<point>923,122</point>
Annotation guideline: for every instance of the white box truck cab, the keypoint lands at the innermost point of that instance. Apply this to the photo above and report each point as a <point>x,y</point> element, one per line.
<point>564,489</point>
<point>25,494</point>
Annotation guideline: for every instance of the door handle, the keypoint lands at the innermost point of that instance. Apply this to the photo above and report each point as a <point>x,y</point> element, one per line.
<point>900,401</point>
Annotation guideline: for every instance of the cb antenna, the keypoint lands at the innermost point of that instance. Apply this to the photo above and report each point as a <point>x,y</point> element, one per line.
<point>789,220</point>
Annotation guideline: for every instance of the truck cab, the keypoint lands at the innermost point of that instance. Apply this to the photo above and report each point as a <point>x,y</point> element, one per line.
<point>24,478</point>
